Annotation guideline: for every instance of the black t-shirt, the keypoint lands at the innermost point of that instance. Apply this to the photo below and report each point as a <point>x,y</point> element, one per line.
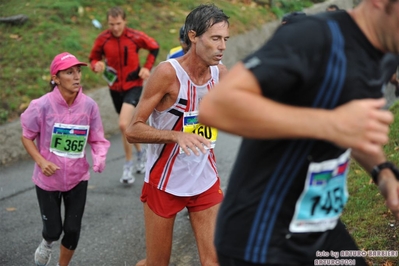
<point>320,61</point>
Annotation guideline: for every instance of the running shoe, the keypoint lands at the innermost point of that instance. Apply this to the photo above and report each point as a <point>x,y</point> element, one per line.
<point>127,176</point>
<point>42,254</point>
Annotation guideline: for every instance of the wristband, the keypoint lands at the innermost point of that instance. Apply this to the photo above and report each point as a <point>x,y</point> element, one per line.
<point>377,169</point>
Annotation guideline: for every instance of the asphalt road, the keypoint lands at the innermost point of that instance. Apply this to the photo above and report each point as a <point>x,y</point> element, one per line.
<point>113,225</point>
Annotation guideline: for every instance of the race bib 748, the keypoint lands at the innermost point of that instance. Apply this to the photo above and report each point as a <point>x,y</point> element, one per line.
<point>324,196</point>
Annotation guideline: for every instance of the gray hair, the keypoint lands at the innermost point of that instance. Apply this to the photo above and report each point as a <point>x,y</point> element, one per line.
<point>201,19</point>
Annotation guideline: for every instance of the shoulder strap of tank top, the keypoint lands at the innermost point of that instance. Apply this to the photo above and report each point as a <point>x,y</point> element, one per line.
<point>215,73</point>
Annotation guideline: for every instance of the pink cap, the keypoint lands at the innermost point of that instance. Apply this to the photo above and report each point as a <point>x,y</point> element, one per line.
<point>64,61</point>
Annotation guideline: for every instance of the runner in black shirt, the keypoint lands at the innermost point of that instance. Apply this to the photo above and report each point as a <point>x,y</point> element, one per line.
<point>288,187</point>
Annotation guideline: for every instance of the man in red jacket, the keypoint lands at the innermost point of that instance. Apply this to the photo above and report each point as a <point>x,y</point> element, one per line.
<point>118,47</point>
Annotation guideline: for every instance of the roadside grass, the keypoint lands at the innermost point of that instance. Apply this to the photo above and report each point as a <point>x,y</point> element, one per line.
<point>55,26</point>
<point>367,218</point>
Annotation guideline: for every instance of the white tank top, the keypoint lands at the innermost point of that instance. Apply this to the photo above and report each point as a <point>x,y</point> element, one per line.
<point>166,168</point>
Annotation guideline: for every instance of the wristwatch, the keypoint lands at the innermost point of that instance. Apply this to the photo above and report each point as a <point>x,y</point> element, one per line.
<point>377,169</point>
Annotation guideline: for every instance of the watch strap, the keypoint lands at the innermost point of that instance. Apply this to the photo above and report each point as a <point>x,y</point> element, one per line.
<point>377,169</point>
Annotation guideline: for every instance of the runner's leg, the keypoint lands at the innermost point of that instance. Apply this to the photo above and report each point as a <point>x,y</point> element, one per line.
<point>158,234</point>
<point>74,202</point>
<point>203,223</point>
<point>125,117</point>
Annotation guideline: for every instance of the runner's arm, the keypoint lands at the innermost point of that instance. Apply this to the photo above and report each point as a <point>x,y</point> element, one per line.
<point>98,143</point>
<point>48,168</point>
<point>150,44</point>
<point>161,92</point>
<point>387,182</point>
<point>236,105</point>
<point>32,150</point>
<point>96,56</point>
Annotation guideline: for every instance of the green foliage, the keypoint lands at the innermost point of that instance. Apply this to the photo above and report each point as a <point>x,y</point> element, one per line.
<point>281,7</point>
<point>72,42</point>
<point>278,11</point>
<point>55,26</point>
<point>3,115</point>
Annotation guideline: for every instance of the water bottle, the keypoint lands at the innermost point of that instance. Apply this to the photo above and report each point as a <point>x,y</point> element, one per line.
<point>96,23</point>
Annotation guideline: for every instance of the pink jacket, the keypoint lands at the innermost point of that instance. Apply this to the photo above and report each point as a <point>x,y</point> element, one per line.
<point>38,122</point>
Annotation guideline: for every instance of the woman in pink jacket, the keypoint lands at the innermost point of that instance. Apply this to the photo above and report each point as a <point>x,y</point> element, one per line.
<point>62,122</point>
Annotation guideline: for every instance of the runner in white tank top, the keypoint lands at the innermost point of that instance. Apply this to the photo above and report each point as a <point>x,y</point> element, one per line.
<point>174,172</point>
<point>181,167</point>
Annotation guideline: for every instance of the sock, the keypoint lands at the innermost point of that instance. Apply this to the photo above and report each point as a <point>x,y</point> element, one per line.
<point>129,163</point>
<point>47,244</point>
<point>140,155</point>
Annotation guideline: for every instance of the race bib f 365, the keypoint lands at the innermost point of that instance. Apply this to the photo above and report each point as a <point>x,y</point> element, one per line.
<point>69,140</point>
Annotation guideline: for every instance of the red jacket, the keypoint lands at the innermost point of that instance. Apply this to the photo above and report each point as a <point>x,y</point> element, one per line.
<point>121,53</point>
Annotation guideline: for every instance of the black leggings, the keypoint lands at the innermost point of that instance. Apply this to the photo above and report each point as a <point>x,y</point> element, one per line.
<point>50,209</point>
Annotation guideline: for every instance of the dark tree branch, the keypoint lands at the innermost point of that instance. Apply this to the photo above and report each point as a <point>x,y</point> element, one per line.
<point>14,20</point>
